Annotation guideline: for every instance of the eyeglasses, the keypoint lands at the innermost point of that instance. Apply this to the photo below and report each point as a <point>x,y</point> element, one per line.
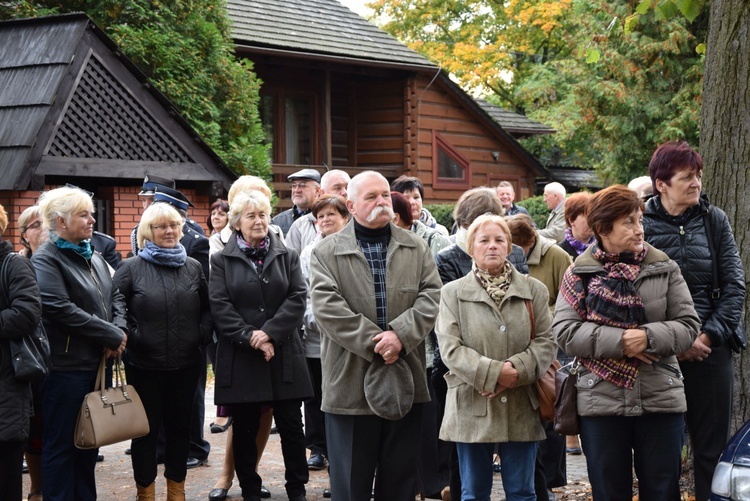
<point>301,186</point>
<point>33,226</point>
<point>163,227</point>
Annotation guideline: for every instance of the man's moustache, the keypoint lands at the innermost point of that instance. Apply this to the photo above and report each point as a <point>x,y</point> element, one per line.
<point>378,210</point>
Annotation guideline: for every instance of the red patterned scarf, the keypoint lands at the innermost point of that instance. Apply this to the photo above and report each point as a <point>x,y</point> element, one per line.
<point>610,299</point>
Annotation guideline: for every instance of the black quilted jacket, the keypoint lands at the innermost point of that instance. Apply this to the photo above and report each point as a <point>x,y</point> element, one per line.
<point>684,239</point>
<point>168,313</point>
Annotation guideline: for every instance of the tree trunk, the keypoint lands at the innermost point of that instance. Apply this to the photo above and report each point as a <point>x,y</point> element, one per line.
<point>725,144</point>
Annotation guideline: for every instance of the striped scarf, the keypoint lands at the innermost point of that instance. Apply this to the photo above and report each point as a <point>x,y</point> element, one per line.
<point>610,299</point>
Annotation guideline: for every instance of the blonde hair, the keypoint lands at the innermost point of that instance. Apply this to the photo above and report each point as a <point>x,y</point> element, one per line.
<point>247,184</point>
<point>484,220</point>
<point>3,219</point>
<point>156,214</point>
<point>253,199</point>
<point>62,202</point>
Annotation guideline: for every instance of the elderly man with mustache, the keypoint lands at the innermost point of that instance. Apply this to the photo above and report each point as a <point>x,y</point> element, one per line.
<point>375,291</point>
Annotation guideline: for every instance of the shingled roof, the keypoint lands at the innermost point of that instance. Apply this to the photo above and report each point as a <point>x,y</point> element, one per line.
<point>323,27</point>
<point>72,105</point>
<point>514,123</point>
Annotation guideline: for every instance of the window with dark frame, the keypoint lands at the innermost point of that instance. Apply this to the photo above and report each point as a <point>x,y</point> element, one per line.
<point>289,126</point>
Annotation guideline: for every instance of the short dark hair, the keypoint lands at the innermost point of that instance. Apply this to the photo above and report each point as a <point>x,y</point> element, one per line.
<point>402,184</point>
<point>671,157</point>
<point>335,201</point>
<point>575,205</point>
<point>522,229</point>
<point>401,207</point>
<point>218,204</point>
<point>609,205</point>
<point>475,202</point>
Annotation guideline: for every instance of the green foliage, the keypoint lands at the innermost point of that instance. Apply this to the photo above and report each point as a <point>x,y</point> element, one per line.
<point>443,213</point>
<point>185,48</point>
<point>612,94</point>
<point>537,210</point>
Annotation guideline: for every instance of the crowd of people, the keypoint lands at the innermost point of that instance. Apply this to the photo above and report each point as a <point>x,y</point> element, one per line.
<point>414,352</point>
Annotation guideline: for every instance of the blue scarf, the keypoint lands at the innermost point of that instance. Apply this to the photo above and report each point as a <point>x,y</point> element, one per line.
<point>82,249</point>
<point>174,257</point>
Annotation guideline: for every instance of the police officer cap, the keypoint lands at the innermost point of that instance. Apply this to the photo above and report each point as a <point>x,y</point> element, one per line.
<point>311,174</point>
<point>173,197</point>
<point>151,182</point>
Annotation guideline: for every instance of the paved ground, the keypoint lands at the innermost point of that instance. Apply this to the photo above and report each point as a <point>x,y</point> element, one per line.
<point>115,481</point>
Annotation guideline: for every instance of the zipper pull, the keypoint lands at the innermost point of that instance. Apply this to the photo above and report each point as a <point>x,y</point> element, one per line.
<point>682,231</point>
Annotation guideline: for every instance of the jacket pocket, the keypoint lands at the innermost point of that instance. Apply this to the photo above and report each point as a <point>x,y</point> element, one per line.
<point>465,395</point>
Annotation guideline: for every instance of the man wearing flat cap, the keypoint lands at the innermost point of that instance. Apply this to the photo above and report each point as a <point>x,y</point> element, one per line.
<point>375,291</point>
<point>305,187</point>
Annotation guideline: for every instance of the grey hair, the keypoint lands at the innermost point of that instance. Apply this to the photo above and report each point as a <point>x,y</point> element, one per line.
<point>245,199</point>
<point>555,188</point>
<point>330,174</point>
<point>354,185</point>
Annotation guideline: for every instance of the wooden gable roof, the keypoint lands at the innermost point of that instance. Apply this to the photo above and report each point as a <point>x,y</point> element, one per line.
<point>318,27</point>
<point>71,105</point>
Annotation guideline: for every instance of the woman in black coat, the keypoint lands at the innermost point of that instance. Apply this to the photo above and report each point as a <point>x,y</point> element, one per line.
<point>257,301</point>
<point>169,320</point>
<point>17,319</point>
<point>681,222</point>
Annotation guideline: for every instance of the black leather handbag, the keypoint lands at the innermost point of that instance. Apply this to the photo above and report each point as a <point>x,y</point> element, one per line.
<point>30,354</point>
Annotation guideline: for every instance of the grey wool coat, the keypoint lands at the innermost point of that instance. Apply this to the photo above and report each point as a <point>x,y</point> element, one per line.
<point>343,302</point>
<point>476,338</point>
<point>243,301</point>
<point>671,326</point>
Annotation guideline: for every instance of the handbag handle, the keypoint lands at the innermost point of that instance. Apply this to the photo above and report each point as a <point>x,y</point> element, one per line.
<point>100,379</point>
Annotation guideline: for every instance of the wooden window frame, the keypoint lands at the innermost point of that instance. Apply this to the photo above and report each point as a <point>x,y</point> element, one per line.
<point>279,97</point>
<point>440,142</point>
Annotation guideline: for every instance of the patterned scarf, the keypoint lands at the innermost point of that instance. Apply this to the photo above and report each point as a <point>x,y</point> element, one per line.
<point>610,299</point>
<point>256,254</point>
<point>83,249</point>
<point>495,285</point>
<point>577,245</point>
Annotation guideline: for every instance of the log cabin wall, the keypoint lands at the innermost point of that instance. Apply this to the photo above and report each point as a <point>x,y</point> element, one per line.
<point>431,111</point>
<point>380,126</point>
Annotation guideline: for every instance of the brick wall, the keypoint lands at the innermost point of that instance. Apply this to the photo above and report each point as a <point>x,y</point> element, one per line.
<point>15,202</point>
<point>126,211</point>
<point>127,208</point>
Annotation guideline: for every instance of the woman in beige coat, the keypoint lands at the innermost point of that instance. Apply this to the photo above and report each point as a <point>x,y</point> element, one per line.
<point>484,329</point>
<point>625,310</point>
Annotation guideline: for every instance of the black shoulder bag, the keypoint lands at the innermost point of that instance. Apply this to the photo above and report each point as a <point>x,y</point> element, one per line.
<point>30,354</point>
<point>738,340</point>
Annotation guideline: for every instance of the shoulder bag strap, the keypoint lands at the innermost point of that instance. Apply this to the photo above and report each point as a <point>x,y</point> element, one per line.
<point>715,289</point>
<point>4,282</point>
<point>530,309</point>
